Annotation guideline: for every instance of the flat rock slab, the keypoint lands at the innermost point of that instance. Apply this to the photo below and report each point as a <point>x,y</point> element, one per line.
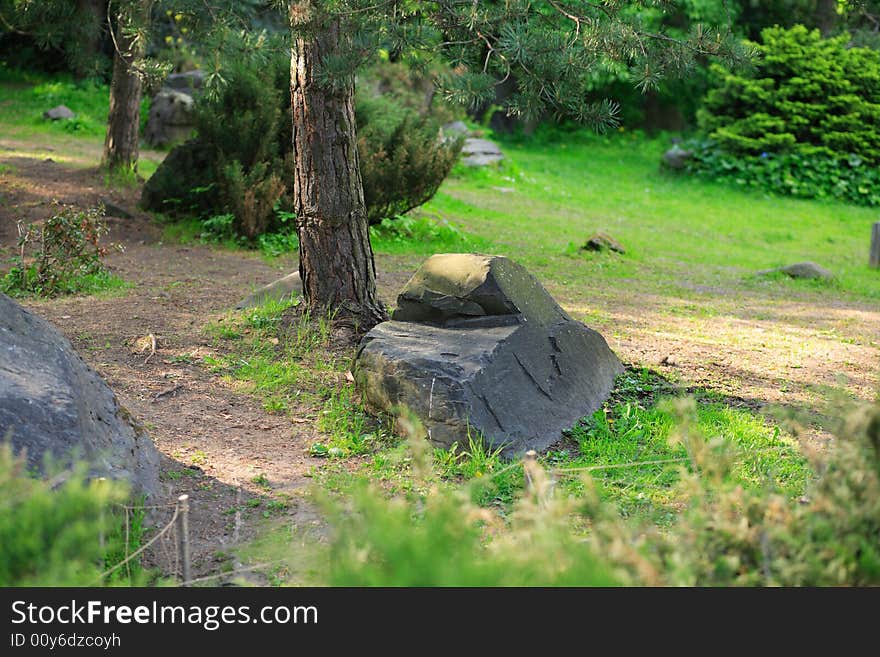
<point>808,270</point>
<point>480,152</point>
<point>52,403</point>
<point>289,286</point>
<point>478,347</point>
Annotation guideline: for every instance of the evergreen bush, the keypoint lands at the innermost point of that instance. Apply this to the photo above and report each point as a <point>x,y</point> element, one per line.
<point>804,121</point>
<point>240,162</point>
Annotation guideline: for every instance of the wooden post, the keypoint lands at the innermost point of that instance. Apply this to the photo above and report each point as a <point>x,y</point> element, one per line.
<point>183,536</point>
<point>101,482</point>
<point>874,258</point>
<point>531,460</point>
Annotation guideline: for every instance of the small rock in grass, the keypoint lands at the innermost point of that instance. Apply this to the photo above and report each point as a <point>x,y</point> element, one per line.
<point>113,210</point>
<point>603,242</point>
<point>289,286</point>
<point>677,157</point>
<point>58,113</point>
<point>806,270</point>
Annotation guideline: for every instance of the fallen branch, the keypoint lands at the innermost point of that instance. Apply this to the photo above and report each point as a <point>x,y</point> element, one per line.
<point>165,393</point>
<point>152,348</point>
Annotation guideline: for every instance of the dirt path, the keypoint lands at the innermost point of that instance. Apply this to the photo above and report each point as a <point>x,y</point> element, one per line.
<point>214,440</point>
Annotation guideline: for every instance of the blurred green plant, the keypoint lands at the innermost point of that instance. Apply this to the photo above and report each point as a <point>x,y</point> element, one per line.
<point>51,528</point>
<point>804,121</point>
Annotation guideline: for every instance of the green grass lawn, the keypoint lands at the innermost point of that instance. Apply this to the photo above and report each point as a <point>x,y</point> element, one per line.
<point>551,194</point>
<point>78,141</point>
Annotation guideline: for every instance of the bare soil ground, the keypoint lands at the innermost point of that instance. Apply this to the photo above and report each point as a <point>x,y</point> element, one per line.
<point>215,440</point>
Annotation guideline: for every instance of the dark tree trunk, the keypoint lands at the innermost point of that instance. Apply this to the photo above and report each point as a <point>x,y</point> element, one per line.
<point>93,14</point>
<point>336,259</point>
<point>121,146</point>
<point>826,16</point>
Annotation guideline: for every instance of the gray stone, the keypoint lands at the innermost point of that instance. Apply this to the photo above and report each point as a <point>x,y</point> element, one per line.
<point>59,113</point>
<point>677,157</point>
<point>188,82</point>
<point>456,129</point>
<point>603,242</point>
<point>449,287</point>
<point>113,210</point>
<point>170,118</point>
<point>289,286</point>
<point>478,346</point>
<point>809,270</point>
<point>52,403</point>
<point>480,152</point>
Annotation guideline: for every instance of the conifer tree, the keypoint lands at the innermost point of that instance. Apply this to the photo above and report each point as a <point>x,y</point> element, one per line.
<point>547,47</point>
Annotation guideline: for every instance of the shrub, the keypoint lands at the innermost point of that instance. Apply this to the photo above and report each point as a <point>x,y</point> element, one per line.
<point>806,94</point>
<point>805,121</point>
<point>402,162</point>
<point>68,255</point>
<point>50,530</point>
<point>240,163</point>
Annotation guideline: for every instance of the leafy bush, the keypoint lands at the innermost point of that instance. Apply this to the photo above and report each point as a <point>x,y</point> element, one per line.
<point>791,174</point>
<point>805,121</point>
<point>50,532</point>
<point>241,161</point>
<point>68,256</point>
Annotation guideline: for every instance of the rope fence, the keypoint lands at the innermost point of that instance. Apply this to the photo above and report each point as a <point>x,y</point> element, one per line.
<point>175,530</point>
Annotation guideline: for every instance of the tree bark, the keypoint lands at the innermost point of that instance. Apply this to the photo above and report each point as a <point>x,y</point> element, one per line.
<point>121,146</point>
<point>826,16</point>
<point>335,257</point>
<point>93,15</point>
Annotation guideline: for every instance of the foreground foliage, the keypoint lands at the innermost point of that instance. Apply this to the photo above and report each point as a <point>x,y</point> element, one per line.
<point>728,535</point>
<point>62,531</point>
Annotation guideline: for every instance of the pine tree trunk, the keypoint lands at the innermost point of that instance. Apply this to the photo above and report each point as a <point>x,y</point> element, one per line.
<point>93,15</point>
<point>336,259</point>
<point>121,146</point>
<point>826,16</point>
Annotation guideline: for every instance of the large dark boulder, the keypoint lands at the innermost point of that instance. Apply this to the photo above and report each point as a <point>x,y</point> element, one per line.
<point>52,403</point>
<point>477,345</point>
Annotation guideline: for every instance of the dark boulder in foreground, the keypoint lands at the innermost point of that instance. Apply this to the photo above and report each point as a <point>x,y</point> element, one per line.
<point>52,403</point>
<point>477,344</point>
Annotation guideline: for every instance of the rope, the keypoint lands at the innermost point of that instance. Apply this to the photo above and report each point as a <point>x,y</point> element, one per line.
<point>234,572</point>
<point>166,528</point>
<point>633,464</point>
